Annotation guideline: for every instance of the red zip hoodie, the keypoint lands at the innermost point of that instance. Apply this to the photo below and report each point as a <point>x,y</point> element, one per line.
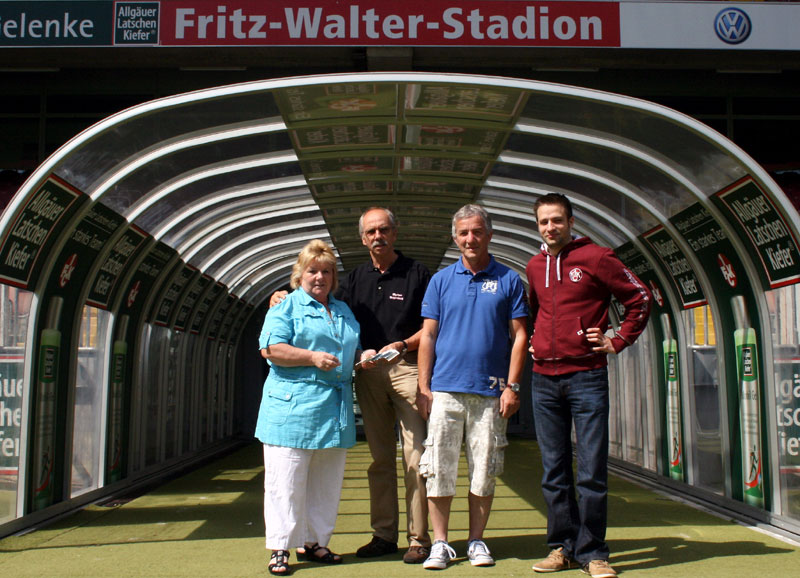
<point>570,293</point>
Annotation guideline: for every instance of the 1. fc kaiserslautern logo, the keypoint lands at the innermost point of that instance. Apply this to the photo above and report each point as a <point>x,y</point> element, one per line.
<point>732,26</point>
<point>575,275</point>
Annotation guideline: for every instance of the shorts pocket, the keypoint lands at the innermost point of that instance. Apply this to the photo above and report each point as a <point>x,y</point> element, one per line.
<point>279,405</point>
<point>497,466</point>
<point>426,461</point>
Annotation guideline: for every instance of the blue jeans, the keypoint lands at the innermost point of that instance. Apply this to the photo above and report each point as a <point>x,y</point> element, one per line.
<point>579,526</point>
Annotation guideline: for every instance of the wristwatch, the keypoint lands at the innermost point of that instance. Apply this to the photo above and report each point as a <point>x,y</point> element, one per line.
<point>512,386</point>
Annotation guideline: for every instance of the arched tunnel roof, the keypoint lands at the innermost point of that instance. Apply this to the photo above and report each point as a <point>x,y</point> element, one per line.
<point>236,179</point>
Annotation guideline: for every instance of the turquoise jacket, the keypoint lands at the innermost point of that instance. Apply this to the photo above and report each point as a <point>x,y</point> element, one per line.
<point>306,407</point>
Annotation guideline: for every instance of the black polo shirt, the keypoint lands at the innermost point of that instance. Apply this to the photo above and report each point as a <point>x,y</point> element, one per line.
<point>388,305</point>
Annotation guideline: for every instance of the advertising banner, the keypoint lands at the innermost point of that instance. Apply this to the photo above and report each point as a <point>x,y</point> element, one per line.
<point>11,391</point>
<point>169,298</point>
<point>114,458</point>
<point>44,443</point>
<point>560,23</point>
<point>204,306</point>
<point>634,260</point>
<point>750,416</point>
<point>787,405</point>
<point>150,267</point>
<point>674,420</point>
<point>767,232</point>
<point>190,300</point>
<point>29,236</point>
<point>105,282</point>
<point>677,266</point>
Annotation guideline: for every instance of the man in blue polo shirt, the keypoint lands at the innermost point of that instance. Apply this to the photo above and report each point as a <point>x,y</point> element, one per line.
<point>471,355</point>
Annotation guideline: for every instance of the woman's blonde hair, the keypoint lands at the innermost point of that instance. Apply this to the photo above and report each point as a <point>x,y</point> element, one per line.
<point>315,250</point>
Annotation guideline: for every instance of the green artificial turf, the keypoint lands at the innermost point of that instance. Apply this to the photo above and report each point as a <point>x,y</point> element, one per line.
<point>209,524</point>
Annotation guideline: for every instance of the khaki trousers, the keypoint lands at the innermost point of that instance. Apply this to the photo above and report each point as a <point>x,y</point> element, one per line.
<point>387,396</point>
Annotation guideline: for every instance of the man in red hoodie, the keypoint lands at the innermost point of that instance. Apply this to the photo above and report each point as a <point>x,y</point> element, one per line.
<point>571,283</point>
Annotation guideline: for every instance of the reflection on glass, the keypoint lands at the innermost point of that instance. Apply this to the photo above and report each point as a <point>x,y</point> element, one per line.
<point>631,391</point>
<point>87,434</point>
<point>704,386</point>
<point>14,311</point>
<point>784,307</point>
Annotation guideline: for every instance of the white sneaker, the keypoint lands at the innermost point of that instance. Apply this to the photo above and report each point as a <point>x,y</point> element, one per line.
<point>441,554</point>
<point>479,554</point>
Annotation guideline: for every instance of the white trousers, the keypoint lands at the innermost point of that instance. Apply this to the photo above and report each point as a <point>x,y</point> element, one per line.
<point>301,495</point>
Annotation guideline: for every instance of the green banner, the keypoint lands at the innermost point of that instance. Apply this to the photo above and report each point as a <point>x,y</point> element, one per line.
<point>44,442</point>
<point>179,281</point>
<point>472,102</point>
<point>114,459</point>
<point>787,403</point>
<point>104,286</point>
<point>11,392</point>
<point>677,266</point>
<point>337,101</point>
<point>765,231</point>
<point>204,306</point>
<point>674,419</point>
<point>750,416</point>
<point>83,23</point>
<point>190,300</point>
<point>150,267</point>
<point>30,236</point>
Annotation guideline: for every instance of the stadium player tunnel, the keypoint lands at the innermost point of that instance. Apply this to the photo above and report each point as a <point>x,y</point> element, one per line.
<point>136,262</point>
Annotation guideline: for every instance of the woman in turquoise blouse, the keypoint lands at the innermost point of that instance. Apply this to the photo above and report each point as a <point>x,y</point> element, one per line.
<point>306,421</point>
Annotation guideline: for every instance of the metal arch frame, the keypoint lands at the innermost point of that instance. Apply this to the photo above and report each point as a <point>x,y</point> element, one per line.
<point>294,241</point>
<point>249,237</point>
<point>195,139</point>
<point>242,216</point>
<point>237,195</point>
<point>174,145</point>
<point>254,291</point>
<point>151,198</point>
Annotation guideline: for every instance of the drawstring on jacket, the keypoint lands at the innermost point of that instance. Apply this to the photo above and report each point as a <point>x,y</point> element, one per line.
<point>546,251</point>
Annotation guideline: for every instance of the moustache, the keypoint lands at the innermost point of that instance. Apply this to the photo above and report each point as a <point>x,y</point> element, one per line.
<point>378,243</point>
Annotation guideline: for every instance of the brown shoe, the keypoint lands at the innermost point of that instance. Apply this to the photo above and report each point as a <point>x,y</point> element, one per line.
<point>554,562</point>
<point>416,555</point>
<point>599,569</point>
<point>378,547</point>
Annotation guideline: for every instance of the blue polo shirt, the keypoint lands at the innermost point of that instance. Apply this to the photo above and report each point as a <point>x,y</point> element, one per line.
<point>306,407</point>
<point>473,347</point>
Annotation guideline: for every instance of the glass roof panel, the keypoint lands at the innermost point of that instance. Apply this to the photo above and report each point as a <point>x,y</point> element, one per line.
<point>709,167</point>
<point>215,255</point>
<point>569,183</point>
<point>656,186</point>
<point>127,138</point>
<point>195,165</point>
<point>200,217</point>
<point>210,186</point>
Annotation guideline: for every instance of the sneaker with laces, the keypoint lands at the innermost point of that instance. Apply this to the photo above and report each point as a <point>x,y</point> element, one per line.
<point>479,554</point>
<point>599,569</point>
<point>556,560</point>
<point>441,554</point>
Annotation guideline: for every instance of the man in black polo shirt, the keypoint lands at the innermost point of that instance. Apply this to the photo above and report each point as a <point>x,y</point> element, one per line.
<point>385,294</point>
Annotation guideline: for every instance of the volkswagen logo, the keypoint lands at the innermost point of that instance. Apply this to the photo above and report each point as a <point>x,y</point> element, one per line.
<point>732,26</point>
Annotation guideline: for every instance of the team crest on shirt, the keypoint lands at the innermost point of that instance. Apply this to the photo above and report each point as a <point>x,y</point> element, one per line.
<point>575,275</point>
<point>489,286</point>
